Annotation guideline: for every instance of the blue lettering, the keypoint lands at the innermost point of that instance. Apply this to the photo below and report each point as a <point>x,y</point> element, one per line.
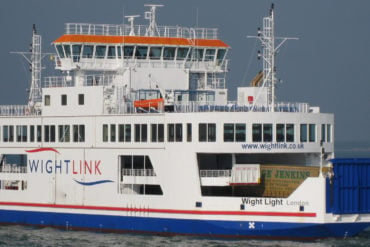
<point>49,169</point>
<point>33,165</point>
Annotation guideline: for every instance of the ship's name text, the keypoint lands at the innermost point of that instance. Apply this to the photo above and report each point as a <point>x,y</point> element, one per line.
<point>91,167</point>
<point>273,202</point>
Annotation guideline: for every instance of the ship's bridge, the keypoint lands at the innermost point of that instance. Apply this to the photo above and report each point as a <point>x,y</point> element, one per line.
<point>111,47</point>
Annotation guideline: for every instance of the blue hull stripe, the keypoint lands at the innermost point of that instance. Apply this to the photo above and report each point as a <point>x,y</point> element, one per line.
<point>216,228</point>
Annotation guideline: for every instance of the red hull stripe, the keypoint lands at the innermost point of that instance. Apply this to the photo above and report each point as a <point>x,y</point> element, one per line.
<point>165,211</point>
<point>42,150</point>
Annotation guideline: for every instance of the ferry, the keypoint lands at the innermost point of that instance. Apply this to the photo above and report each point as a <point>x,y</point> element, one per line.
<point>137,135</point>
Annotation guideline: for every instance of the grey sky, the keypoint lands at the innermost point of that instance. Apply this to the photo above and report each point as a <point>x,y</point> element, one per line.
<point>327,67</point>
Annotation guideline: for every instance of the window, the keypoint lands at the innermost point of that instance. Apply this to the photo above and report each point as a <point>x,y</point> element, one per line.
<point>21,133</point>
<point>267,132</point>
<point>100,51</point>
<point>141,52</point>
<point>157,131</point>
<point>141,132</point>
<point>67,50</point>
<point>303,133</point>
<point>280,132</point>
<point>198,54</point>
<point>119,52</point>
<point>124,132</point>
<point>210,55</point>
<point>78,133</point>
<point>32,133</point>
<point>155,52</point>
<point>49,133</point>
<point>182,53</point>
<point>76,49</point>
<point>220,55</point>
<point>128,51</point>
<point>323,132</point>
<point>39,133</point>
<point>60,51</point>
<point>229,133</point>
<point>240,132</point>
<point>328,133</point>
<point>170,132</point>
<point>289,133</point>
<point>88,51</point>
<point>81,99</point>
<point>169,53</point>
<point>64,99</point>
<point>113,133</point>
<point>207,132</point>
<point>105,132</point>
<point>64,133</point>
<point>312,132</point>
<point>47,100</point>
<point>189,132</point>
<point>111,52</point>
<point>8,133</point>
<point>234,132</point>
<point>257,132</point>
<point>178,132</point>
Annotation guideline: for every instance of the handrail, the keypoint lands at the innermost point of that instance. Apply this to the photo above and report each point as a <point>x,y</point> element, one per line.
<point>214,173</point>
<point>139,172</point>
<point>140,30</point>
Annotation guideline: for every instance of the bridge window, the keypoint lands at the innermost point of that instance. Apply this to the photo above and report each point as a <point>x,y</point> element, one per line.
<point>234,132</point>
<point>280,132</point>
<point>141,52</point>
<point>189,132</point>
<point>105,132</point>
<point>257,132</point>
<point>155,52</point>
<point>220,55</point>
<point>112,132</point>
<point>49,133</point>
<point>64,99</point>
<point>182,53</point>
<point>67,50</point>
<point>32,133</point>
<point>60,51</point>
<point>198,54</point>
<point>88,51</point>
<point>76,49</point>
<point>100,51</point>
<point>39,133</point>
<point>169,53</point>
<point>47,100</point>
<point>81,99</point>
<point>328,132</point>
<point>124,132</point>
<point>128,51</point>
<point>289,133</point>
<point>210,55</point>
<point>111,52</point>
<point>119,52</point>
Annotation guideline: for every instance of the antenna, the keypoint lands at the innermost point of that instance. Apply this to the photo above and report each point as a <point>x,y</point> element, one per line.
<point>131,18</point>
<point>34,58</point>
<point>269,51</point>
<point>150,15</point>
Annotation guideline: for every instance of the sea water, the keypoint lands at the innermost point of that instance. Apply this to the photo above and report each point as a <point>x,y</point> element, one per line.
<point>20,236</point>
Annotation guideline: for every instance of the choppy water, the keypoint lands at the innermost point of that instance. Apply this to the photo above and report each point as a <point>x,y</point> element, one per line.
<point>28,236</point>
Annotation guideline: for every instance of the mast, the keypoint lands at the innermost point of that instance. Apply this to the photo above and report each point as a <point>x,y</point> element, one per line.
<point>35,89</point>
<point>150,15</point>
<point>267,38</point>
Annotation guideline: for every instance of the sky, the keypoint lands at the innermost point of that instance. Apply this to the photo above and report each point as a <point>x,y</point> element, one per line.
<point>328,66</point>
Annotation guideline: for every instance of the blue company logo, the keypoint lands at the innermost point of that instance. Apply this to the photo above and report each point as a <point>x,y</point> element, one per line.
<point>93,183</point>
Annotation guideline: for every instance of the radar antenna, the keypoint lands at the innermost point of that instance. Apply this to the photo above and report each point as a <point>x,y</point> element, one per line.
<point>269,51</point>
<point>150,15</point>
<point>34,57</point>
<point>131,18</point>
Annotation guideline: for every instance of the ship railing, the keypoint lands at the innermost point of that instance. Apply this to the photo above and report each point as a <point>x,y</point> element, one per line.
<point>58,81</point>
<point>139,172</point>
<point>214,173</point>
<point>87,80</point>
<point>140,30</point>
<point>13,168</point>
<point>18,110</point>
<point>232,106</point>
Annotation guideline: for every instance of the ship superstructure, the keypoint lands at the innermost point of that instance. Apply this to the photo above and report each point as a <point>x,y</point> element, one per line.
<point>138,135</point>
